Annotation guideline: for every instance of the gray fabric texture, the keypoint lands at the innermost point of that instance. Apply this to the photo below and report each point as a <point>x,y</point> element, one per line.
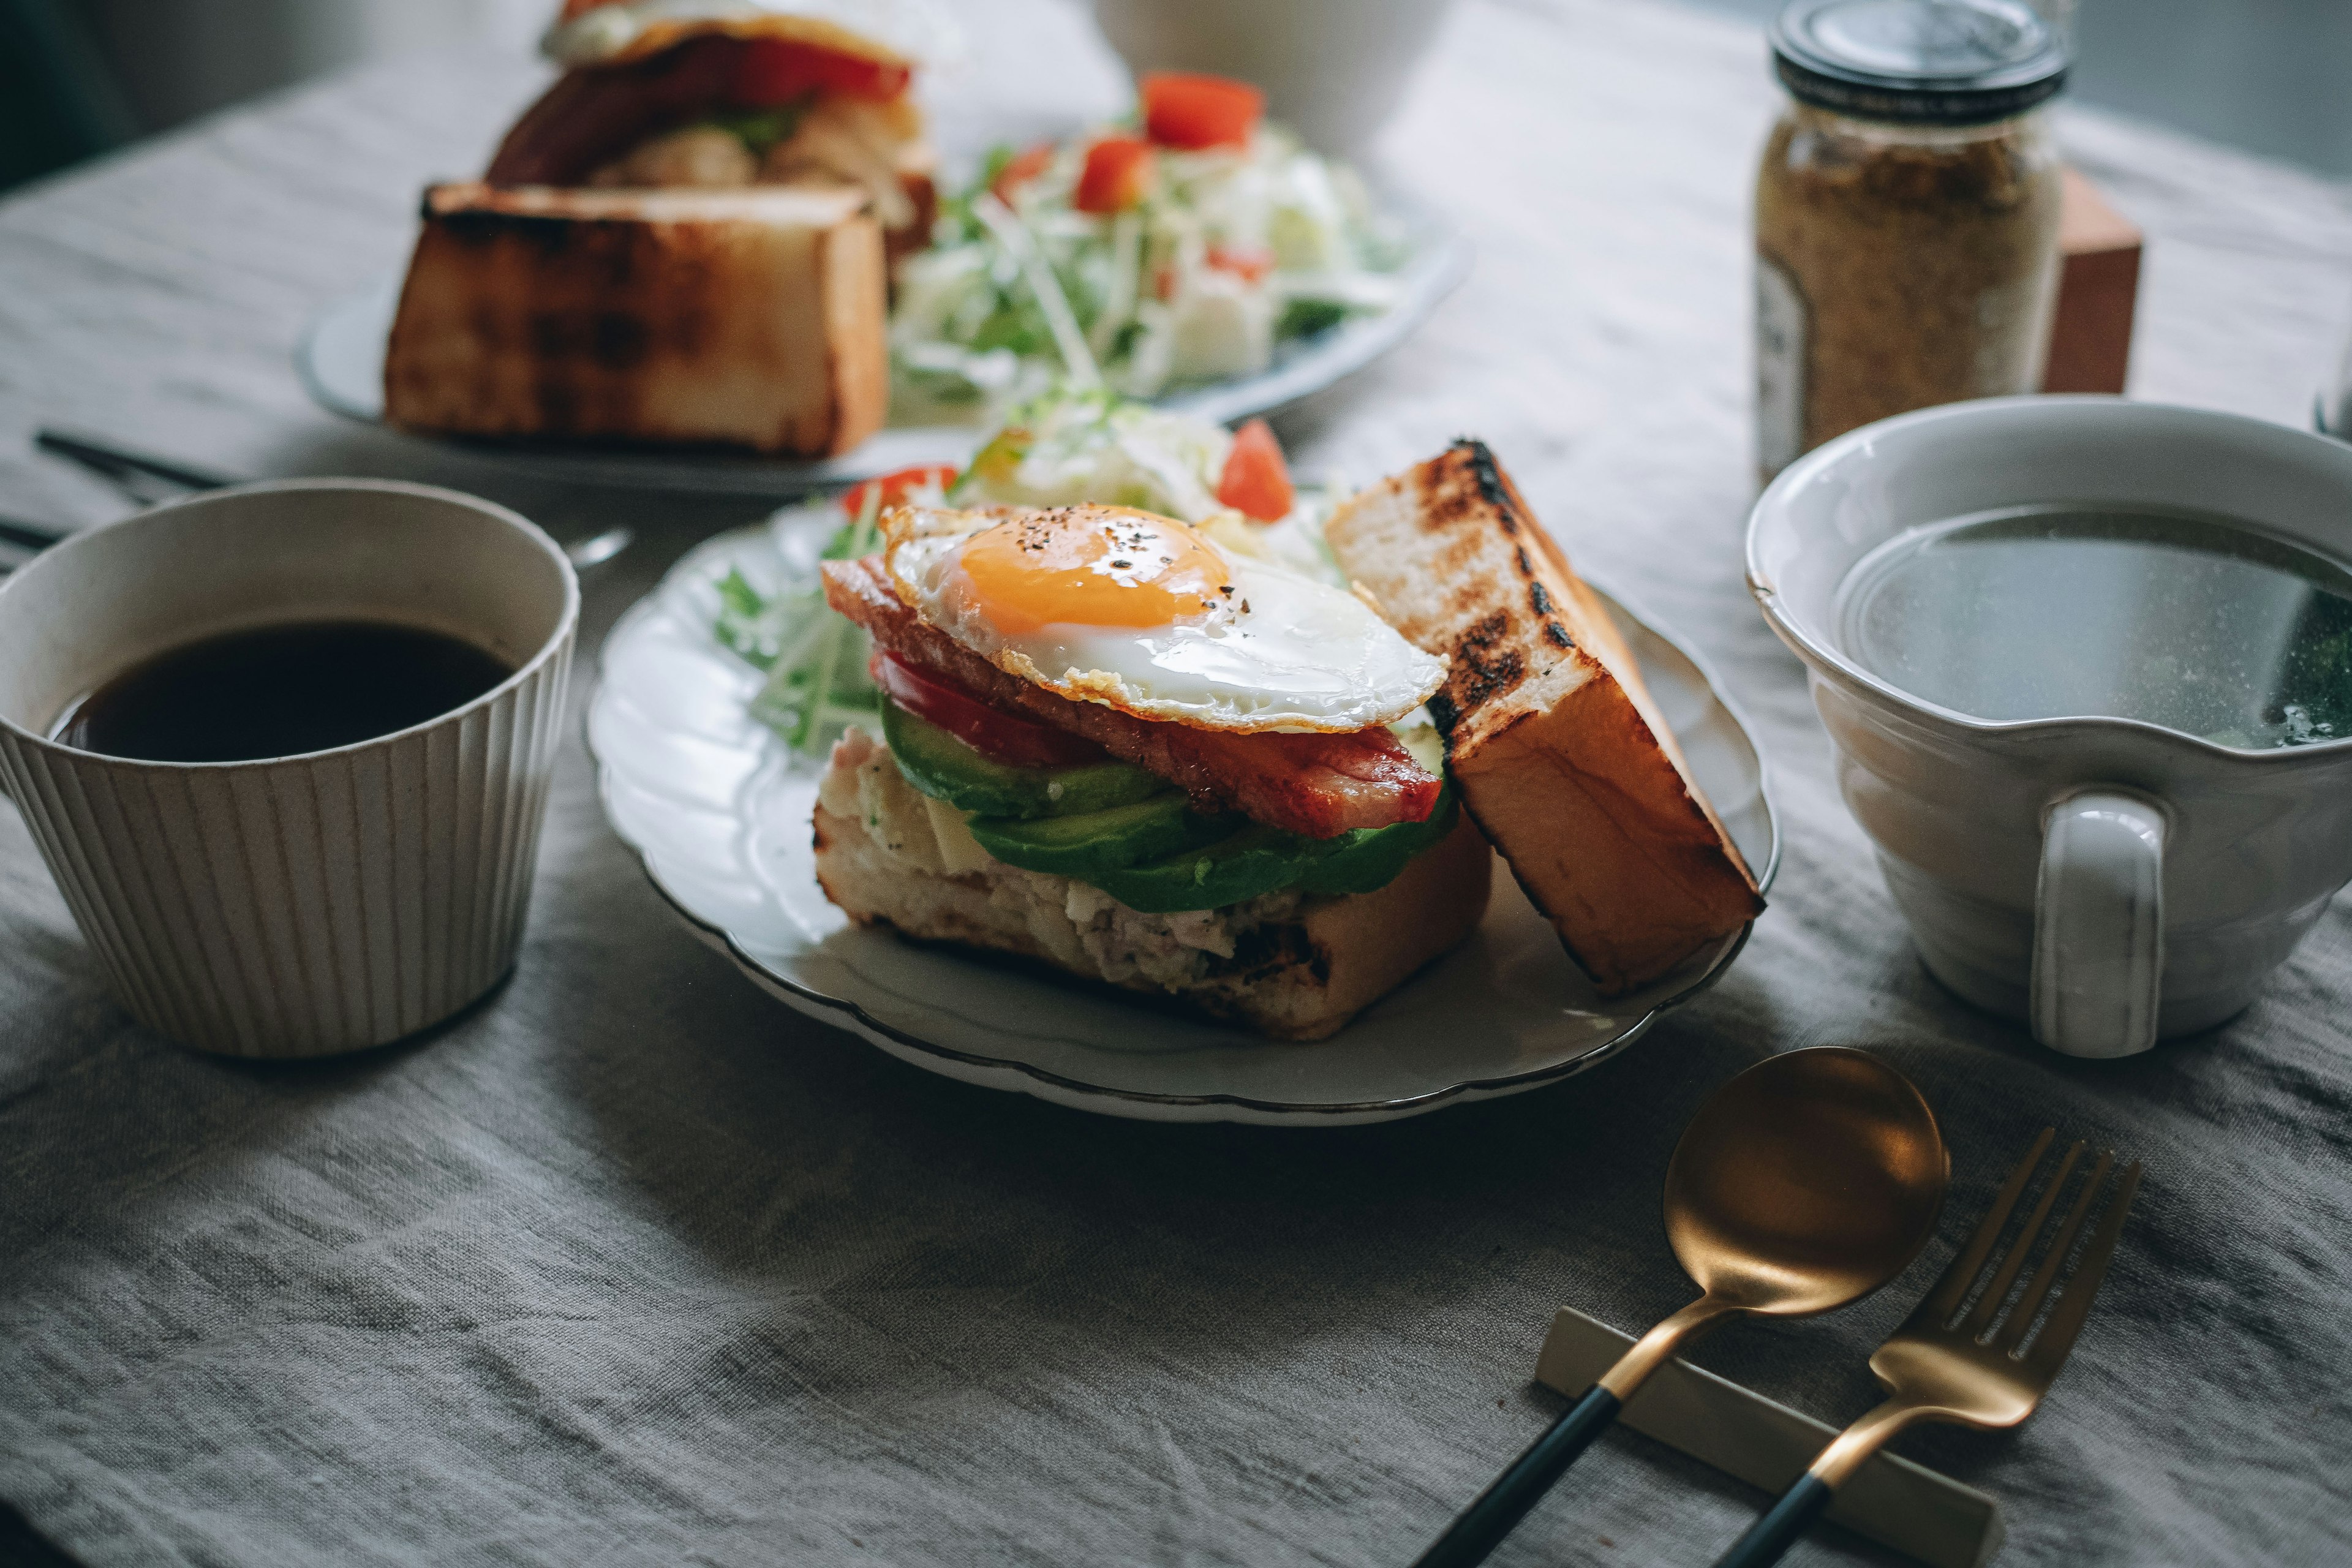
<point>631,1265</point>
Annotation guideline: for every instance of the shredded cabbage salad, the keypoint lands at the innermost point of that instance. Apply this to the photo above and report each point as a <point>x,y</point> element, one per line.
<point>1062,449</point>
<point>1183,265</point>
<point>1069,448</point>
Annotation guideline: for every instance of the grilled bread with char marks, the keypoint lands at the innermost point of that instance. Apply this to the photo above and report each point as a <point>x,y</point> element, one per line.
<point>1558,752</point>
<point>751,318</point>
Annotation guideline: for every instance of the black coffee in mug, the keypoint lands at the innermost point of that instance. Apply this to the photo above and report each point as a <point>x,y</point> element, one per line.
<point>280,692</point>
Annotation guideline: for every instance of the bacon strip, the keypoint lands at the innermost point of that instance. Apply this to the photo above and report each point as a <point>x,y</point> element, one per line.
<point>1317,785</point>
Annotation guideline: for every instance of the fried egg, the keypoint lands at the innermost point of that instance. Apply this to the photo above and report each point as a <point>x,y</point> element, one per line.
<point>1146,614</point>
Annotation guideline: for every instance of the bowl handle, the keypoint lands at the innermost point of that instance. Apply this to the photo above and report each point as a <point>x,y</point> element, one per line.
<point>2098,923</point>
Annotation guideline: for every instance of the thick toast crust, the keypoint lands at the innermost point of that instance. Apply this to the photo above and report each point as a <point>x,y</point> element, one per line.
<point>1559,752</point>
<point>751,318</point>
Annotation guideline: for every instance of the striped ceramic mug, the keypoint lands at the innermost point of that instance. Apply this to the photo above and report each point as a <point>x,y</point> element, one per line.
<point>295,906</point>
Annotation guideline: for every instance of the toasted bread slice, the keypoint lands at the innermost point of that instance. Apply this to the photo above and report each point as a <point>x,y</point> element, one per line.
<point>751,318</point>
<point>1291,967</point>
<point>1558,752</point>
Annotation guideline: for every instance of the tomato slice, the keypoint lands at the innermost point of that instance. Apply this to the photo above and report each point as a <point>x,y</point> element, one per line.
<point>1118,173</point>
<point>1250,263</point>
<point>1019,169</point>
<point>777,70</point>
<point>896,486</point>
<point>998,736</point>
<point>1256,481</point>
<point>1187,110</point>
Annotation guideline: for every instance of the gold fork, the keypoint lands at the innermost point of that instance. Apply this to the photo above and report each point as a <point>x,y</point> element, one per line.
<point>1975,1371</point>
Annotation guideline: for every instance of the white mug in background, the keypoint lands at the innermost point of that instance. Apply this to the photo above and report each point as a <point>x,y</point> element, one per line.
<point>295,906</point>
<point>2106,880</point>
<point>1333,70</point>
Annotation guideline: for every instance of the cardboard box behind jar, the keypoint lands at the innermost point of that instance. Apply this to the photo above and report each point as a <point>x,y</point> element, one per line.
<point>2098,287</point>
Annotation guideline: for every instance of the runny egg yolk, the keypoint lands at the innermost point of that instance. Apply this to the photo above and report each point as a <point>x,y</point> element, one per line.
<point>1094,567</point>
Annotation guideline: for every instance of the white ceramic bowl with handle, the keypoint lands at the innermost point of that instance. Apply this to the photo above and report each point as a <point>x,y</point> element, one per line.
<point>2106,880</point>
<point>295,906</point>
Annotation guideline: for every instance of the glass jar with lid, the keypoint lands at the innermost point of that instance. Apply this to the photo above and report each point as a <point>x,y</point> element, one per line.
<point>1906,214</point>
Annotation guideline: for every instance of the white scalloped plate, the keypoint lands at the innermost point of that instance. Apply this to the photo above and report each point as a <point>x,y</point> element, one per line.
<point>341,362</point>
<point>719,812</point>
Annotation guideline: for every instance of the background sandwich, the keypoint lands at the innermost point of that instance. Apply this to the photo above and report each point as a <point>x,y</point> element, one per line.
<point>726,94</point>
<point>687,239</point>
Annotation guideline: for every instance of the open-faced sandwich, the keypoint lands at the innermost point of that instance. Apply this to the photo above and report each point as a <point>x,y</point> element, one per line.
<point>1148,752</point>
<point>1177,756</point>
<point>1112,746</point>
<point>684,240</point>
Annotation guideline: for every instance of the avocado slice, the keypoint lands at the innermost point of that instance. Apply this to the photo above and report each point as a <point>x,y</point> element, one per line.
<point>1123,830</point>
<point>1256,859</point>
<point>1093,844</point>
<point>942,766</point>
<point>1372,856</point>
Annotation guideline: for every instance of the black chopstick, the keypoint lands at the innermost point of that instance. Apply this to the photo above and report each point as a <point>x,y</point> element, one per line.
<point>30,535</point>
<point>115,462</point>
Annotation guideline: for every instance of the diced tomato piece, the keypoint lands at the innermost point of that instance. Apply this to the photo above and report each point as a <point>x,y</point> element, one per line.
<point>1183,108</point>
<point>1019,170</point>
<point>1001,737</point>
<point>1256,481</point>
<point>1250,263</point>
<point>1118,173</point>
<point>776,70</point>
<point>895,486</point>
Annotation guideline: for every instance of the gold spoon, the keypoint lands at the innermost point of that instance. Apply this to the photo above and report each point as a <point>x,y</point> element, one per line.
<point>1803,1184</point>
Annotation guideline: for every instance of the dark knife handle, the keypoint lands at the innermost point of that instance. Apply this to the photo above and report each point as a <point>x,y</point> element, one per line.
<point>1507,1498</point>
<point>1781,1527</point>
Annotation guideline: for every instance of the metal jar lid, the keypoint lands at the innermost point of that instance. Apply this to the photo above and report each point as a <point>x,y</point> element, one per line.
<point>1924,62</point>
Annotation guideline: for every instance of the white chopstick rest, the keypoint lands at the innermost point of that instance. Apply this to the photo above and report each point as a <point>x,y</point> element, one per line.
<point>1739,1431</point>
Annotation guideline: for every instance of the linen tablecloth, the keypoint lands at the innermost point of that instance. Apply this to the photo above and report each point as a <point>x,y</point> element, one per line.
<point>630,1264</point>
